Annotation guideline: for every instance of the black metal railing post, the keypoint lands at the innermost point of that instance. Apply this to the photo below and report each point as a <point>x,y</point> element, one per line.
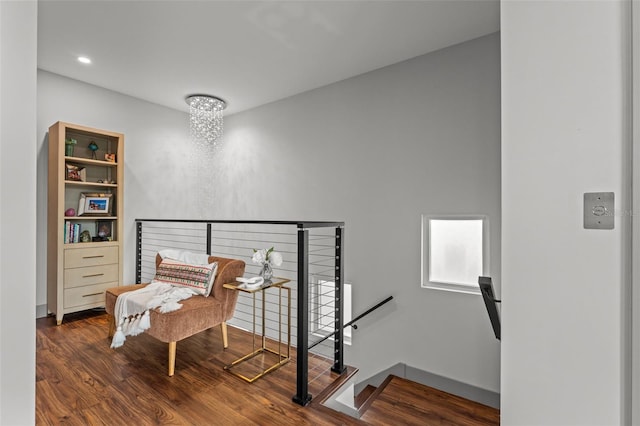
<point>209,239</point>
<point>302,395</point>
<point>138,252</point>
<point>338,343</point>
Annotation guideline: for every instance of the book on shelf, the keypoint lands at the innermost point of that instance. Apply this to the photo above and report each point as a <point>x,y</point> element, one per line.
<point>71,233</point>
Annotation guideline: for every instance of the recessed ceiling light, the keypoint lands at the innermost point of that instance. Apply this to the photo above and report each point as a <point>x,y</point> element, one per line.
<point>84,60</point>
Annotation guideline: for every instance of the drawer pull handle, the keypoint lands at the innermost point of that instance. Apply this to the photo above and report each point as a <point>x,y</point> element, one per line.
<point>92,275</point>
<point>93,257</point>
<point>92,294</point>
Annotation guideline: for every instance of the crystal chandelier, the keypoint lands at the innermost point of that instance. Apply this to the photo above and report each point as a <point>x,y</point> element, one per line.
<point>206,117</point>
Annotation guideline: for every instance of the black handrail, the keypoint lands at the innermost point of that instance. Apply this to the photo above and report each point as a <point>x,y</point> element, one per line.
<point>298,223</point>
<point>486,288</point>
<point>352,322</point>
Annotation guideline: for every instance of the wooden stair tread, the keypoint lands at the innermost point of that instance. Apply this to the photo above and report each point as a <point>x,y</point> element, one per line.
<point>403,401</point>
<point>374,394</point>
<point>364,394</point>
<point>340,379</point>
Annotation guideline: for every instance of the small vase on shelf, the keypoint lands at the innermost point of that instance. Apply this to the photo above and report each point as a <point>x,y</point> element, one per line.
<point>266,272</point>
<point>68,147</point>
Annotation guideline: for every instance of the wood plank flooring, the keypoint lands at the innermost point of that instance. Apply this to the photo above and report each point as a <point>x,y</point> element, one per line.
<point>81,381</point>
<point>403,402</point>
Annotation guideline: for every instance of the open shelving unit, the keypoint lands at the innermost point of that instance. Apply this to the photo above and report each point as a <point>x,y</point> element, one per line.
<point>84,246</point>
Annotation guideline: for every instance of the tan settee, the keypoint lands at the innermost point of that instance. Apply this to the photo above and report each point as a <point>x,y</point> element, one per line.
<point>197,314</point>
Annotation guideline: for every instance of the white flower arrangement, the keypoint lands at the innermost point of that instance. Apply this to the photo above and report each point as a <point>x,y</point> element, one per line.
<point>269,256</point>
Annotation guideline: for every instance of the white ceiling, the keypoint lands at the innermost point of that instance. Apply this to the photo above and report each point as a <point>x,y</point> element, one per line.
<point>247,52</point>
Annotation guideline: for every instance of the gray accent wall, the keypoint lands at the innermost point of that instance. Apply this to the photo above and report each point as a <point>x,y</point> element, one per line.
<point>377,151</point>
<point>160,177</point>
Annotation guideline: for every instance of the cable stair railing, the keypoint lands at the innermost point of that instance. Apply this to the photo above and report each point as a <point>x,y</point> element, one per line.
<point>313,252</point>
<point>311,249</point>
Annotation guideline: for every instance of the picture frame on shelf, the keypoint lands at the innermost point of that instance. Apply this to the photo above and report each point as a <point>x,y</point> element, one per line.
<point>95,204</point>
<point>104,230</point>
<point>75,173</point>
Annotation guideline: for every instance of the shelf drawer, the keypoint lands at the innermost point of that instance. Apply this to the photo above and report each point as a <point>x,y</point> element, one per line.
<point>86,295</point>
<point>90,256</point>
<point>78,277</point>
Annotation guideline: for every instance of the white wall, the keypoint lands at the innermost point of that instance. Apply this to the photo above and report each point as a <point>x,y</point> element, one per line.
<point>562,135</point>
<point>18,29</point>
<point>376,151</point>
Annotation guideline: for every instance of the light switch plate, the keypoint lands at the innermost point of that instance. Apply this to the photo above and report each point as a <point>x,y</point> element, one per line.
<point>598,210</point>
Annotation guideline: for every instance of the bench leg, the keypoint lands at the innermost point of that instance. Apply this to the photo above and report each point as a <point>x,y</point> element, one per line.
<point>172,358</point>
<point>112,326</point>
<point>225,339</point>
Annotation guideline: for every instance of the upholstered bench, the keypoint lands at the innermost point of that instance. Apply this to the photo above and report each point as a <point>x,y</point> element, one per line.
<point>198,313</point>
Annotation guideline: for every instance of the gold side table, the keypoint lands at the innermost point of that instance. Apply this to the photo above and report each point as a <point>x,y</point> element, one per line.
<point>283,357</point>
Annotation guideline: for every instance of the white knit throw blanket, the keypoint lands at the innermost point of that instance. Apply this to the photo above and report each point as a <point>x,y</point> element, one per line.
<point>132,308</point>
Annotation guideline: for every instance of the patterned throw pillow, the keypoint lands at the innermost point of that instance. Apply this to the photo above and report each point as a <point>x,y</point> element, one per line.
<point>198,278</point>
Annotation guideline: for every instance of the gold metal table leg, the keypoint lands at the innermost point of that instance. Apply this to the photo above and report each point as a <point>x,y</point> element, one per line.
<point>282,359</point>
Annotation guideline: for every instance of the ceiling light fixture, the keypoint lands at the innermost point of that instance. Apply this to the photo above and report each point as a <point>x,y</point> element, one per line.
<point>84,60</point>
<point>206,118</point>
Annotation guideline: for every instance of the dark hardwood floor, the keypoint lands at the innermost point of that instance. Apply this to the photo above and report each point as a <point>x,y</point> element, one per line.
<point>401,401</point>
<point>81,381</point>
